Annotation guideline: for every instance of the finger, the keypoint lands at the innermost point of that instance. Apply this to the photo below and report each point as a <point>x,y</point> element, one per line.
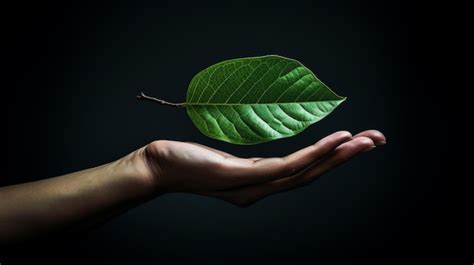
<point>318,150</point>
<point>249,194</point>
<point>224,154</point>
<point>341,154</point>
<point>268,169</point>
<point>376,136</point>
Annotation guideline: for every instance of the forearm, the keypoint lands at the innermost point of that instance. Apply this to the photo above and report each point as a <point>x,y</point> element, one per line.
<point>49,205</point>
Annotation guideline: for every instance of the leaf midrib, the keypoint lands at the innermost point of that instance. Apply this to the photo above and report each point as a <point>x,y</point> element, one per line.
<point>242,104</point>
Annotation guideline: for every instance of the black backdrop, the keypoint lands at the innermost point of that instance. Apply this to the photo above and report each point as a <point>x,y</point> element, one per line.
<point>75,71</point>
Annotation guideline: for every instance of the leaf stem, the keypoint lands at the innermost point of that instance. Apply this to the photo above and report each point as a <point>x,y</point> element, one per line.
<point>142,96</point>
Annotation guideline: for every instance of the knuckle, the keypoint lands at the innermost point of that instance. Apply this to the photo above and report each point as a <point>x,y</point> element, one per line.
<point>155,146</point>
<point>344,134</point>
<point>157,143</point>
<point>364,141</point>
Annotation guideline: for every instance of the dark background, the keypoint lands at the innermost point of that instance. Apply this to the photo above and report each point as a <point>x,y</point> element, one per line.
<point>74,72</point>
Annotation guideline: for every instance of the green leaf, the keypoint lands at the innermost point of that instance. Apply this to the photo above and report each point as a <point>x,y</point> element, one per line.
<point>257,99</point>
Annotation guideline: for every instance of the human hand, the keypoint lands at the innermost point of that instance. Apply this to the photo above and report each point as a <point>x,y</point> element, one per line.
<point>162,166</point>
<point>173,166</point>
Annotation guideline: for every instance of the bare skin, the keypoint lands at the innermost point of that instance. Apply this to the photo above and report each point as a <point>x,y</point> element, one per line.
<point>42,207</point>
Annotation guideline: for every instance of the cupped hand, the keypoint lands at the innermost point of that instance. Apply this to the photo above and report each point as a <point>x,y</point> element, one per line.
<point>191,167</point>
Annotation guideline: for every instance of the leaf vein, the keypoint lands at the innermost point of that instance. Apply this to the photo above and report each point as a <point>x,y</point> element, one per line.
<point>264,121</point>
<point>245,80</point>
<point>288,114</point>
<point>231,123</point>
<point>246,124</point>
<point>303,90</point>
<point>250,89</point>
<point>209,80</point>
<point>276,118</point>
<point>227,78</point>
<point>273,83</point>
<point>290,87</point>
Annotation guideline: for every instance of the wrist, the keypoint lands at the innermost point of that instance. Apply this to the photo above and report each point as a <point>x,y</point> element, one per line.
<point>136,167</point>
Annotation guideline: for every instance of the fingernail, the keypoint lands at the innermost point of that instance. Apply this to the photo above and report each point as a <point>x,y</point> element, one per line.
<point>380,143</point>
<point>369,148</point>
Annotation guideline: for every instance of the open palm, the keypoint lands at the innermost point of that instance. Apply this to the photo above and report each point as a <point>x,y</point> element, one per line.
<point>191,167</point>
